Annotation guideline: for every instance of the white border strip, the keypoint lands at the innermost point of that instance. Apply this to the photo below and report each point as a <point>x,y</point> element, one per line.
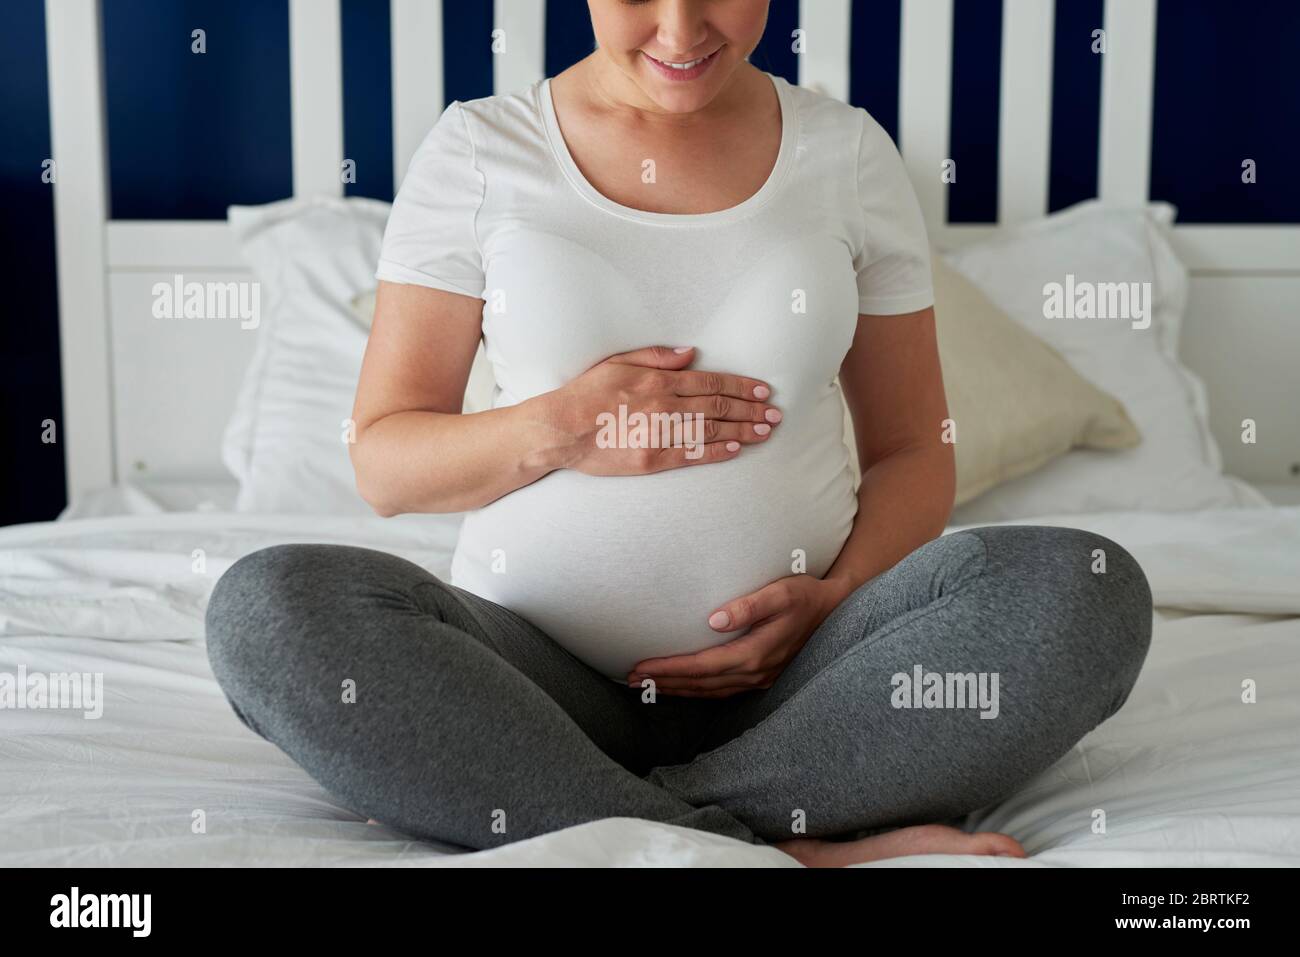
<point>1127,72</point>
<point>418,97</point>
<point>1025,110</point>
<point>73,44</point>
<point>1238,249</point>
<point>824,64</point>
<point>154,245</point>
<point>925,101</point>
<point>316,84</point>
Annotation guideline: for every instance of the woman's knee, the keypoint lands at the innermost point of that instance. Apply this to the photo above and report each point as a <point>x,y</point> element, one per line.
<point>1090,589</point>
<point>253,592</point>
<point>1123,616</point>
<point>247,613</point>
<point>284,583</point>
<point>1104,583</point>
<point>295,606</point>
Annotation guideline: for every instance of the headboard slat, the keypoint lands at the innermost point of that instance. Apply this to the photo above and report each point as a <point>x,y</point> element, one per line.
<point>925,101</point>
<point>1127,72</point>
<point>73,41</point>
<point>1025,109</point>
<point>417,76</point>
<point>316,86</point>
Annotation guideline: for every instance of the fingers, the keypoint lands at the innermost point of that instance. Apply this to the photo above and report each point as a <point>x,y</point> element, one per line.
<point>748,433</point>
<point>715,395</point>
<point>723,441</point>
<point>712,414</point>
<point>746,611</point>
<point>715,672</point>
<point>692,693</point>
<point>699,454</point>
<point>730,409</point>
<point>691,382</point>
<point>734,683</point>
<point>656,357</point>
<point>718,661</point>
<point>720,395</point>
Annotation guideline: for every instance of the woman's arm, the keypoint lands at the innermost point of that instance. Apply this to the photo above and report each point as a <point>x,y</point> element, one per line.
<point>894,389</point>
<point>416,452</point>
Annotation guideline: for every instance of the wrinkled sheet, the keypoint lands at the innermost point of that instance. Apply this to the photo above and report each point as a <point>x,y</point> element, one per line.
<point>1186,774</point>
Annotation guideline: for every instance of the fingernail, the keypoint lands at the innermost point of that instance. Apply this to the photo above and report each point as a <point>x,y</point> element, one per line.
<point>719,619</point>
<point>762,429</point>
<point>733,446</point>
<point>772,415</point>
<point>680,349</point>
<point>761,392</point>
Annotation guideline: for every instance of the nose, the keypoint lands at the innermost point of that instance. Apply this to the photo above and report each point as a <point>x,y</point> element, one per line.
<point>682,30</point>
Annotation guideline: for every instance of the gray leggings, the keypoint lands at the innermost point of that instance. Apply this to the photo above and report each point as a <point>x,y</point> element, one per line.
<point>450,718</point>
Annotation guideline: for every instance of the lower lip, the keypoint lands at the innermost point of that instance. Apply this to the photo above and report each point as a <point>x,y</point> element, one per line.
<point>669,73</point>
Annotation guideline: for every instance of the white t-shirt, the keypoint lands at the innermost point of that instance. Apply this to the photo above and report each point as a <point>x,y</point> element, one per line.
<point>619,569</point>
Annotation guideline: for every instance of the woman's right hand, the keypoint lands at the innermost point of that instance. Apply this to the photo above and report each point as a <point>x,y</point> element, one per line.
<point>732,410</point>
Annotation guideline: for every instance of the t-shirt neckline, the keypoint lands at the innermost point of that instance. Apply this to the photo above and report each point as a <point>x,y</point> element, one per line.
<point>784,157</point>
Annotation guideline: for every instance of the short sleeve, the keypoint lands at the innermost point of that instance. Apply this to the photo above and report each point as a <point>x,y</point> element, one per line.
<point>893,265</point>
<point>431,237</point>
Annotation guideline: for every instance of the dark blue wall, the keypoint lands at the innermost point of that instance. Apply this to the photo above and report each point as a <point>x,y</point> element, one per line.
<point>973,125</point>
<point>368,97</point>
<point>1076,104</point>
<point>1227,88</point>
<point>190,134</point>
<point>874,30</point>
<point>31,471</point>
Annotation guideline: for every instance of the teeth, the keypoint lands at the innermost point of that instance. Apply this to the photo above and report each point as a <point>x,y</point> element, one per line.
<point>683,66</point>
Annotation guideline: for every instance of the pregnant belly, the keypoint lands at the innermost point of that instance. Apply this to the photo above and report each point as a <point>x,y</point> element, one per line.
<point>620,569</point>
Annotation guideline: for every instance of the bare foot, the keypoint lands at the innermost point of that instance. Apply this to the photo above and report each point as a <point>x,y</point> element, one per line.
<point>922,839</point>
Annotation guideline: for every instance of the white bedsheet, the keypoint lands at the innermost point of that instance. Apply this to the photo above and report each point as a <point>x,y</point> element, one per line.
<point>1186,773</point>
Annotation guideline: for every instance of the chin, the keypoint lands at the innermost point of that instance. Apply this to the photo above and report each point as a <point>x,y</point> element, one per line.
<point>677,96</point>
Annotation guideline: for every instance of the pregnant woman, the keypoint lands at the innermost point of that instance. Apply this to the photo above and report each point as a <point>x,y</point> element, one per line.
<point>711,629</point>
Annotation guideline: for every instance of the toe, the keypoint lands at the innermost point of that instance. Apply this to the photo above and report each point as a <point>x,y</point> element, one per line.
<point>999,845</point>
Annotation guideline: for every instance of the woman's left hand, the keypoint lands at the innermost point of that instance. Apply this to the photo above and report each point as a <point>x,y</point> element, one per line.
<point>781,617</point>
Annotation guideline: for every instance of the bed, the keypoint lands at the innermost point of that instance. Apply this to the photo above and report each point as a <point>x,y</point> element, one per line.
<point>1186,774</point>
<point>1201,767</point>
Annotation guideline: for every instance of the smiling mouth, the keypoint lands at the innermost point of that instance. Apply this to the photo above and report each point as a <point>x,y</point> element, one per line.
<point>683,65</point>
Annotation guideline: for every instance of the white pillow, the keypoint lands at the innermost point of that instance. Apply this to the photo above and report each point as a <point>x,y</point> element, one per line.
<point>316,260</point>
<point>1177,466</point>
<point>285,441</point>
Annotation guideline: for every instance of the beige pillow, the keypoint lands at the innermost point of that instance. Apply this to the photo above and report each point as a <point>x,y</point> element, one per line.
<point>1015,402</point>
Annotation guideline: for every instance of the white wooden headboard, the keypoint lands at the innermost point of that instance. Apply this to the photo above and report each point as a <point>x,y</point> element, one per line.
<point>149,398</point>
